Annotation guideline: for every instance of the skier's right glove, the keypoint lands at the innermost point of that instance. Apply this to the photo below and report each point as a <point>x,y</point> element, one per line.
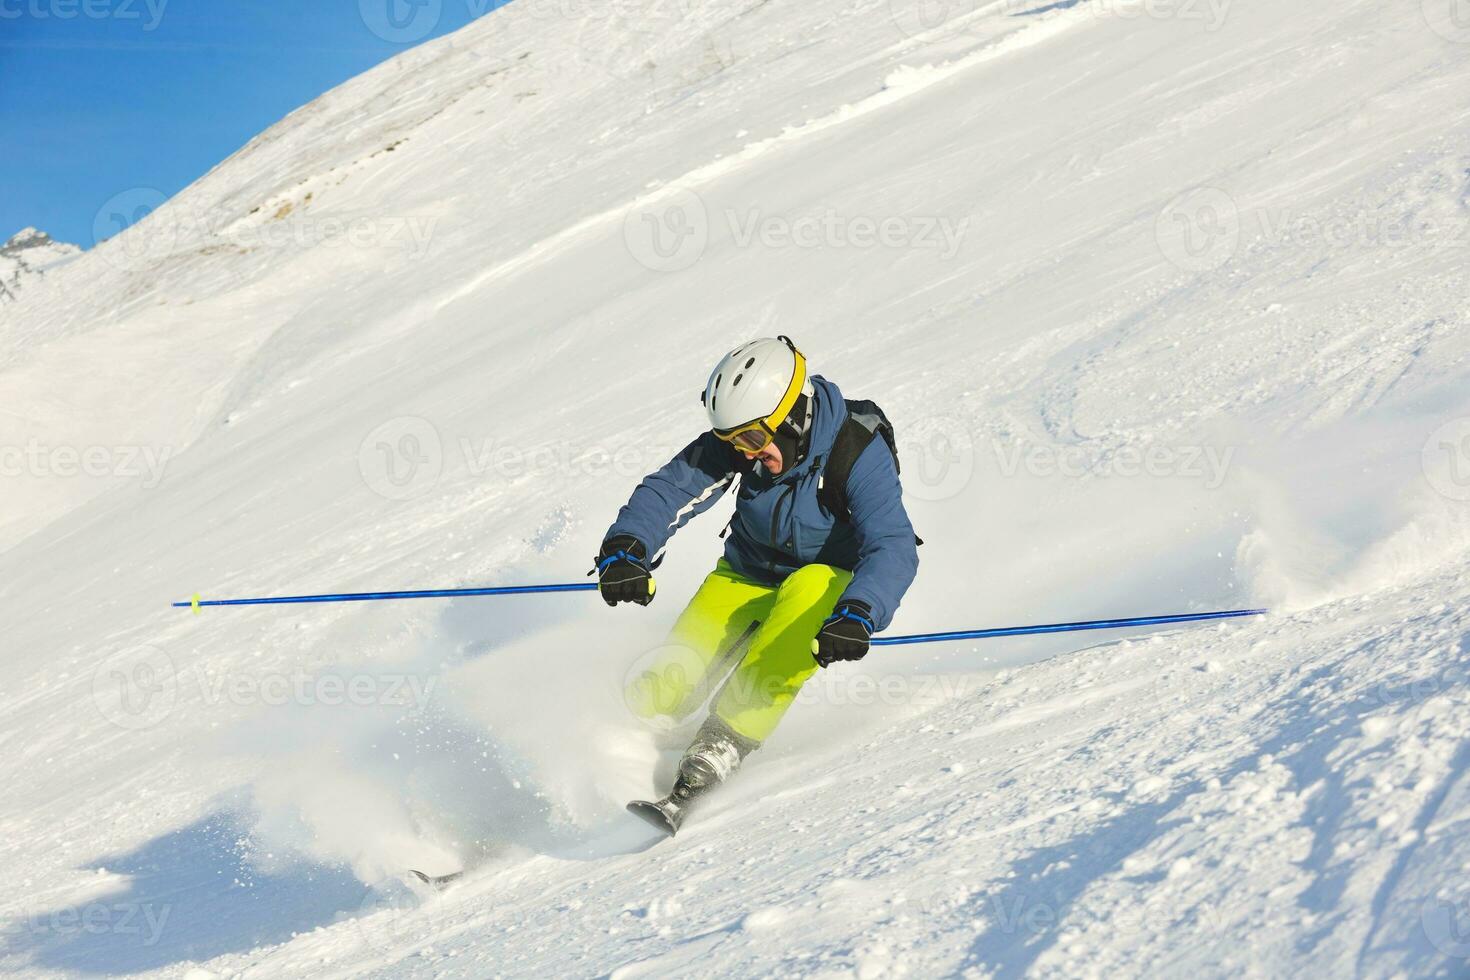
<point>622,571</point>
<point>845,634</point>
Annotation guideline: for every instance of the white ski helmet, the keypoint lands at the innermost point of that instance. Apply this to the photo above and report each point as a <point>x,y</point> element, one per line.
<point>753,389</point>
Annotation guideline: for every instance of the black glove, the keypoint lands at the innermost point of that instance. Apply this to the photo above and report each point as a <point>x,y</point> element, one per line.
<point>622,571</point>
<point>844,636</point>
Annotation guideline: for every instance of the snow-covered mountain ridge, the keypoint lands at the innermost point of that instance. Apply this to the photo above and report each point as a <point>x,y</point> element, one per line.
<point>1168,304</point>
<point>29,252</point>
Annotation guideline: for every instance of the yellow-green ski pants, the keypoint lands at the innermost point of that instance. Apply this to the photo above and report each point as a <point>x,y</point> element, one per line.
<point>768,627</point>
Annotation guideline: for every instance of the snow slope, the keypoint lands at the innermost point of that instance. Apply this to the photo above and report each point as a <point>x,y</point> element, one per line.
<point>1168,303</point>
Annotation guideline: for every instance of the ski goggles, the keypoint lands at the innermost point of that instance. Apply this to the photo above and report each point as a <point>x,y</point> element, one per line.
<point>751,439</point>
<point>755,436</point>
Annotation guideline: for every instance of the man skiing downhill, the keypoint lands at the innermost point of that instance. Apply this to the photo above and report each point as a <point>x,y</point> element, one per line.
<point>819,553</point>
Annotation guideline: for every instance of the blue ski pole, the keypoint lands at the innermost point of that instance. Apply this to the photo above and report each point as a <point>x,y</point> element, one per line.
<point>196,603</point>
<point>1091,624</point>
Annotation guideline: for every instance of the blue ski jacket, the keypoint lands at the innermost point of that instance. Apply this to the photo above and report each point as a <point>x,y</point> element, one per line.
<point>779,526</point>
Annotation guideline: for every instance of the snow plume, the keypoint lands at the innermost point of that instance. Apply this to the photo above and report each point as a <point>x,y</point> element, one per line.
<point>376,787</point>
<point>1350,510</point>
<point>495,735</point>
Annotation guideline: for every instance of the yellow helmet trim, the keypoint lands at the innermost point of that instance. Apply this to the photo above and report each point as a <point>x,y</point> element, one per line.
<point>783,407</point>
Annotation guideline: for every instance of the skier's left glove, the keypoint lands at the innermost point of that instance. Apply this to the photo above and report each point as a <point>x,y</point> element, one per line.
<point>845,634</point>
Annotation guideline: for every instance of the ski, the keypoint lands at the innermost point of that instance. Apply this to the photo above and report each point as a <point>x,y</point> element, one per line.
<point>665,815</point>
<point>439,882</point>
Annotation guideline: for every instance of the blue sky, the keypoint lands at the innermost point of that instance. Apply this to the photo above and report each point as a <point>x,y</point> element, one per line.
<point>101,96</point>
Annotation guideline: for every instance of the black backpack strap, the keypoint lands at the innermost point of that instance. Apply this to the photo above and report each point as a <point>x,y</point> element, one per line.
<point>864,421</point>
<point>851,440</point>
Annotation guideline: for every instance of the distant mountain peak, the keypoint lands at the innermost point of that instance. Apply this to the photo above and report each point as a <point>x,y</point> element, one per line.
<point>28,238</point>
<point>30,252</point>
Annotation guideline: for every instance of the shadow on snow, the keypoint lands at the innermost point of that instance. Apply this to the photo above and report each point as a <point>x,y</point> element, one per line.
<point>193,894</point>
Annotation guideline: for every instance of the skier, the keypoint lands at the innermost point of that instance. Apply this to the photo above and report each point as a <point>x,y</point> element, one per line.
<point>818,554</point>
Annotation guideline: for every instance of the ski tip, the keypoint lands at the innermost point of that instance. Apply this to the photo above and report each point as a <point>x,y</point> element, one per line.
<point>436,881</point>
<point>653,815</point>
